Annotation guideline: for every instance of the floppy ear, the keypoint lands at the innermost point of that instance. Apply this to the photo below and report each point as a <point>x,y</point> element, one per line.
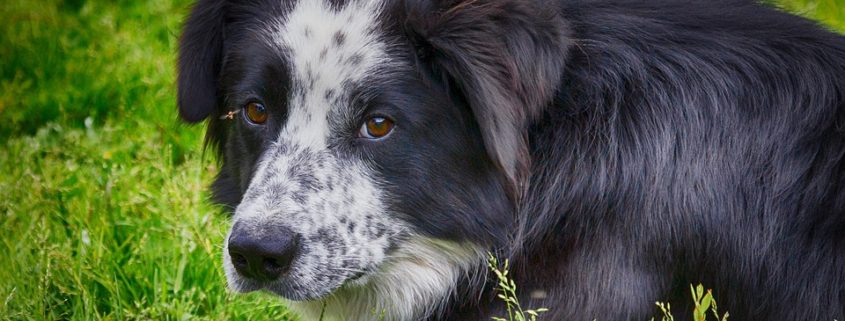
<point>200,51</point>
<point>506,57</point>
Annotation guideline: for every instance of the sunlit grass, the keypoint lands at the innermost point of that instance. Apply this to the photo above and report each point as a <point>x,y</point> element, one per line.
<point>831,13</point>
<point>103,207</point>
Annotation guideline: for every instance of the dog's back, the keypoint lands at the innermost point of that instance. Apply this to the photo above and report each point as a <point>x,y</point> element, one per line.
<point>691,142</point>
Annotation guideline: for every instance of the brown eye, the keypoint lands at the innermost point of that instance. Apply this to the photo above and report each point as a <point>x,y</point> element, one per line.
<point>376,127</point>
<point>256,113</point>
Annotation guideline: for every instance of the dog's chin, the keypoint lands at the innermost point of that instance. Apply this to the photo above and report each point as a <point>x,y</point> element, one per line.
<point>293,290</point>
<point>298,296</point>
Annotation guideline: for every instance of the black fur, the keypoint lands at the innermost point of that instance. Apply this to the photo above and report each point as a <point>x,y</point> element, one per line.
<point>616,151</point>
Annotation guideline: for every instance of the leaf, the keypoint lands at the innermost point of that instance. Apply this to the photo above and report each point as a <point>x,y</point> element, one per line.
<point>705,302</point>
<point>699,289</point>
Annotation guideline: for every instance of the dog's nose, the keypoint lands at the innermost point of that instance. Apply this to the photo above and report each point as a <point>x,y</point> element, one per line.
<point>265,256</point>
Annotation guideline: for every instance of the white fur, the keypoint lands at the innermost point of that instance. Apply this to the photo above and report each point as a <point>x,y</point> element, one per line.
<point>307,37</point>
<point>411,285</point>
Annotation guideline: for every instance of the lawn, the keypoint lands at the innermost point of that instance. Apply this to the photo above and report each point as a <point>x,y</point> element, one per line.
<point>103,210</point>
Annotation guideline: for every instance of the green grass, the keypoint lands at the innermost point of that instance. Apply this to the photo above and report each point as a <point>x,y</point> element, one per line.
<point>829,12</point>
<point>507,293</point>
<point>103,210</point>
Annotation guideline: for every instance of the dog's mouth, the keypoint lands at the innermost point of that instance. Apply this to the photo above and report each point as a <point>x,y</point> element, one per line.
<point>294,290</point>
<point>356,276</point>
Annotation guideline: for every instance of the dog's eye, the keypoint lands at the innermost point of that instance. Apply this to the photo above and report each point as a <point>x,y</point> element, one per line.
<point>256,113</point>
<point>376,127</point>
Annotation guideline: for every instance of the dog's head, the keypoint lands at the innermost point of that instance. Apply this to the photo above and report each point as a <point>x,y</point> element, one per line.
<point>366,138</point>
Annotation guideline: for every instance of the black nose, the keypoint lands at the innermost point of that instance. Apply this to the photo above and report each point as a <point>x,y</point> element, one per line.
<point>262,253</point>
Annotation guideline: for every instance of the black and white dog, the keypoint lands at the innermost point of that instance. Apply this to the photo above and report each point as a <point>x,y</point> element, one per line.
<point>374,151</point>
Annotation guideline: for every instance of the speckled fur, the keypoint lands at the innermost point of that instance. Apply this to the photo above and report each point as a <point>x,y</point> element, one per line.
<point>333,201</point>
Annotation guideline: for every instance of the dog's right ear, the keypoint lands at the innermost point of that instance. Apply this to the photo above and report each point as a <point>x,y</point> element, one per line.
<point>506,59</point>
<point>200,58</point>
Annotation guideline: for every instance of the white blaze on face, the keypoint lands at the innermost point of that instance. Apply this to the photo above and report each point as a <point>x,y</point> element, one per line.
<point>332,202</point>
<point>328,49</point>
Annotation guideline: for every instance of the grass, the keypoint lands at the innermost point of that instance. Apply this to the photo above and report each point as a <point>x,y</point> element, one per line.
<point>704,305</point>
<point>103,211</point>
<point>829,12</point>
<point>508,293</point>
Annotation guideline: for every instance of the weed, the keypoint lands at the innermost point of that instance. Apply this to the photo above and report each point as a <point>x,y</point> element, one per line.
<point>507,293</point>
<point>703,302</point>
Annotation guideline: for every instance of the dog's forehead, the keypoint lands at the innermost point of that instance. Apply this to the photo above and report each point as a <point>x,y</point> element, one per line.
<point>330,48</point>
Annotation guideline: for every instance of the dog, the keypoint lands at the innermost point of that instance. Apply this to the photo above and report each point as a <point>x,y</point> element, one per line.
<point>373,152</point>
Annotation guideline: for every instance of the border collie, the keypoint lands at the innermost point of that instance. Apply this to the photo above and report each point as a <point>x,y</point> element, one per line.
<point>374,151</point>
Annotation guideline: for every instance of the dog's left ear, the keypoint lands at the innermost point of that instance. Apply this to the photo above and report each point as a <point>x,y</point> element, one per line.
<point>200,56</point>
<point>505,56</point>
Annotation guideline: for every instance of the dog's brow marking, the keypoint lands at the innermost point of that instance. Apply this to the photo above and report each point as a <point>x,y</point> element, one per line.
<point>327,48</point>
